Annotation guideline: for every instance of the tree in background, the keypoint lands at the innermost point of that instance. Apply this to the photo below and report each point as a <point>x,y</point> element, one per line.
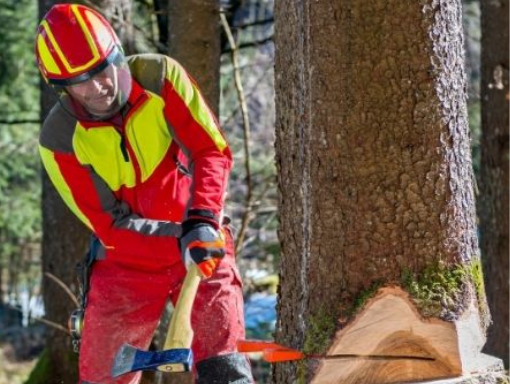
<point>120,15</point>
<point>493,179</point>
<point>376,198</point>
<point>194,41</point>
<point>64,244</point>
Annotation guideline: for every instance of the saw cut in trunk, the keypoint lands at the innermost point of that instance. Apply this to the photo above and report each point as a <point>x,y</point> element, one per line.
<point>391,325</point>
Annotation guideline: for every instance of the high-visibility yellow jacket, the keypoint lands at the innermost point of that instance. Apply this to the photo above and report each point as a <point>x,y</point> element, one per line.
<point>129,179</point>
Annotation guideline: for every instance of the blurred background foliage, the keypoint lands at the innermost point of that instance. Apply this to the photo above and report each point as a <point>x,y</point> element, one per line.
<point>20,218</point>
<point>251,22</point>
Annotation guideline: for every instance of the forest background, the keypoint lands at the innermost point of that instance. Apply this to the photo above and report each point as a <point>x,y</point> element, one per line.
<point>22,324</point>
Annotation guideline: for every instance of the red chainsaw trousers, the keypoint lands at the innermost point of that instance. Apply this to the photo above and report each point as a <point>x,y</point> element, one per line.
<point>124,305</point>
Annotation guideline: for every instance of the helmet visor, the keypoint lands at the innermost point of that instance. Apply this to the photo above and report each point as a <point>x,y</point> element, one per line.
<point>101,95</point>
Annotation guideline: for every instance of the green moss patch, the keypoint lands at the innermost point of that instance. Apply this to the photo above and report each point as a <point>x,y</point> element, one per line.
<point>321,328</point>
<point>363,297</point>
<point>438,289</point>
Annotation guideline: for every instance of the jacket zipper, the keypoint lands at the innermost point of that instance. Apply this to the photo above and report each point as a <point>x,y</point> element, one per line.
<point>123,148</point>
<point>129,149</point>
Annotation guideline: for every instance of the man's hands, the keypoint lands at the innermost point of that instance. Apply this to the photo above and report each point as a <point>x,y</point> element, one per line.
<point>203,245</point>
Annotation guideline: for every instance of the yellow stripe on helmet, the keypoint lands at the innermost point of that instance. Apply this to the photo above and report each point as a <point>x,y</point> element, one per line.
<point>46,57</point>
<point>96,56</point>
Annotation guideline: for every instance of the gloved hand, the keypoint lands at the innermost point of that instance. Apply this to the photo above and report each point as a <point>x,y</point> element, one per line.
<point>203,245</point>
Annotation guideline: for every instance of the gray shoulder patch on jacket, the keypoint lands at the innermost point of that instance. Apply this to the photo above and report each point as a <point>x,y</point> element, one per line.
<point>149,70</point>
<point>58,130</point>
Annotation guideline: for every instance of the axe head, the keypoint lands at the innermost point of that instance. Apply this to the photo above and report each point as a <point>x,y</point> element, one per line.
<point>130,359</point>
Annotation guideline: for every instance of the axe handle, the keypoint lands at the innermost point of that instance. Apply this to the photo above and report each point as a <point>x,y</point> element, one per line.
<point>180,333</point>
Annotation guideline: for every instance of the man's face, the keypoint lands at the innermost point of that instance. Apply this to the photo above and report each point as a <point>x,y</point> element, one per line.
<point>97,94</point>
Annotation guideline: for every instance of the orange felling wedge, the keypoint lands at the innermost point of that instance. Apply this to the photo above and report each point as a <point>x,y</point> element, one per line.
<point>256,345</point>
<point>276,355</point>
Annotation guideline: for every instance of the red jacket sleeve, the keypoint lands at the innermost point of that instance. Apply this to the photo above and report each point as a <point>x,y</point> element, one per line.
<point>197,131</point>
<point>131,238</point>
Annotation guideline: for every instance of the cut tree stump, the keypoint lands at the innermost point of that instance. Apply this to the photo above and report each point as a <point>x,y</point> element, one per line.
<point>390,324</point>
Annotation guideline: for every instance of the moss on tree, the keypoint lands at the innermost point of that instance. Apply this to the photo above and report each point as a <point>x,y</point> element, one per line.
<point>321,328</point>
<point>438,289</point>
<point>363,297</point>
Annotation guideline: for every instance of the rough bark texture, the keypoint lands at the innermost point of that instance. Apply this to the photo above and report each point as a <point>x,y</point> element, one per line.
<point>63,246</point>
<point>194,41</point>
<point>65,241</point>
<point>493,185</point>
<point>373,157</point>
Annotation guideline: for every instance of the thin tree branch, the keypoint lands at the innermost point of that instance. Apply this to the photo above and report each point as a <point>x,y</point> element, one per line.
<point>248,44</point>
<point>64,287</point>
<point>246,132</point>
<point>254,23</point>
<point>121,21</point>
<point>47,322</point>
<point>52,324</point>
<point>233,114</point>
<point>21,121</point>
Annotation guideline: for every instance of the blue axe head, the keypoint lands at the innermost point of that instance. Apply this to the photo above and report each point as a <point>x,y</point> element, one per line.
<point>130,359</point>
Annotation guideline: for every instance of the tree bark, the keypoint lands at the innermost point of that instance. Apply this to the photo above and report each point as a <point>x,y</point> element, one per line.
<point>493,202</point>
<point>64,244</point>
<point>194,41</point>
<point>119,14</point>
<point>375,183</point>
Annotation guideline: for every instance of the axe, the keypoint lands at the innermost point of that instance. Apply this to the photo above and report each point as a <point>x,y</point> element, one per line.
<point>176,355</point>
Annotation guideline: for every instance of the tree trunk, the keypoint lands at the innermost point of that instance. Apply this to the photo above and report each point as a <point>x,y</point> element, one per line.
<point>493,206</point>
<point>161,8</point>
<point>64,244</point>
<point>119,14</point>
<point>194,41</point>
<point>376,197</point>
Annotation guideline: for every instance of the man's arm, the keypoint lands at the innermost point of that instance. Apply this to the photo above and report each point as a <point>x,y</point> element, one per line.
<point>91,200</point>
<point>197,131</point>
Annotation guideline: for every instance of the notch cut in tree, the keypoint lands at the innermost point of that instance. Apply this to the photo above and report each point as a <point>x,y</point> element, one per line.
<point>378,331</point>
<point>376,191</point>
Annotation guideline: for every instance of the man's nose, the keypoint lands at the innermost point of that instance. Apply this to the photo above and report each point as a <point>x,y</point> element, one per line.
<point>95,86</point>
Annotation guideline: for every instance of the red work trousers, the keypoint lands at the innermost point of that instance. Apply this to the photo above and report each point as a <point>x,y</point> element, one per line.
<point>124,305</point>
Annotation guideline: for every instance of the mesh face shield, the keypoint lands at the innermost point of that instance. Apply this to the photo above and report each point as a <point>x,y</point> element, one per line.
<point>98,94</point>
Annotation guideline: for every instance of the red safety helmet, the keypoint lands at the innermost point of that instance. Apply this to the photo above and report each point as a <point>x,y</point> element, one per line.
<point>75,45</point>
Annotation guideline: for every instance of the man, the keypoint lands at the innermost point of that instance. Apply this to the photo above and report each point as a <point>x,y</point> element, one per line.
<point>133,149</point>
